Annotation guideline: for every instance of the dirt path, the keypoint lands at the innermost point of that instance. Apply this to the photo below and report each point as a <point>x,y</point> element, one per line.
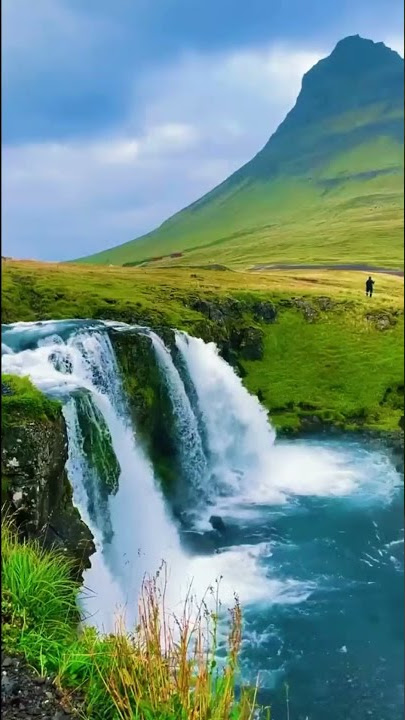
<point>359,268</point>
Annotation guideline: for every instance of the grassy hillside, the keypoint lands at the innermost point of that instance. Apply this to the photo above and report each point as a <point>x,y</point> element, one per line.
<point>327,187</point>
<point>339,360</point>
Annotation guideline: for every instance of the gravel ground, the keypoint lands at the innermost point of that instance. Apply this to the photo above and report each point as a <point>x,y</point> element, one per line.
<point>25,695</point>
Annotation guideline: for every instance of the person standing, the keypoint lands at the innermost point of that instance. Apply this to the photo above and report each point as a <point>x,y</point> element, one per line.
<point>369,286</point>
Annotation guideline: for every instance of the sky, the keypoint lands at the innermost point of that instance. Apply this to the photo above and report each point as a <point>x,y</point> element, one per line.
<point>118,113</point>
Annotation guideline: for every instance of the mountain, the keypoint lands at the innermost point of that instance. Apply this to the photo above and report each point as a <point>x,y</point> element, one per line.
<point>327,187</point>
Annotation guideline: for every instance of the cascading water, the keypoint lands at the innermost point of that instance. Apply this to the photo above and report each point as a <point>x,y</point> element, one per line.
<point>313,540</point>
<point>239,436</point>
<point>193,459</point>
<point>142,535</point>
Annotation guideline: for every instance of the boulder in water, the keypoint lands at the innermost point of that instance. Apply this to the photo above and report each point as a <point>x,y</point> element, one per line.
<point>218,524</point>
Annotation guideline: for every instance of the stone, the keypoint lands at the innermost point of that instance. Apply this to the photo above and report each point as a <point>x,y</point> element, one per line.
<point>309,312</point>
<point>382,320</point>
<point>9,686</point>
<point>265,310</point>
<point>324,303</point>
<point>217,524</point>
<point>248,341</point>
<point>61,715</point>
<point>36,488</point>
<point>6,389</point>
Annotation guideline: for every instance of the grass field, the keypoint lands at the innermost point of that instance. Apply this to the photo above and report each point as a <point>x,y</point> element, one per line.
<point>341,368</point>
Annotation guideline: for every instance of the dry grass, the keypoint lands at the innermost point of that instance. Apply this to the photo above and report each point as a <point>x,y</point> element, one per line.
<point>168,667</point>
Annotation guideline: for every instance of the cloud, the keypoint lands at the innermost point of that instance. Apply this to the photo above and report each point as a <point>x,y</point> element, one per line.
<point>192,124</point>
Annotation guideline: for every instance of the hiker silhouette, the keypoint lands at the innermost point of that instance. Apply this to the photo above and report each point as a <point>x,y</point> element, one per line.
<point>369,286</point>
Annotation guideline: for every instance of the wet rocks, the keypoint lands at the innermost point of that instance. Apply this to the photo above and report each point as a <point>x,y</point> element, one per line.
<point>218,524</point>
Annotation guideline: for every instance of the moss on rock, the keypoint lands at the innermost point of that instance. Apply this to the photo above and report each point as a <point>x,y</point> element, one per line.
<point>97,443</point>
<point>35,487</point>
<point>149,401</point>
<point>22,403</point>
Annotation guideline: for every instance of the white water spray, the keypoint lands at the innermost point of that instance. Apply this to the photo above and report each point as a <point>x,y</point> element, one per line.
<point>239,437</point>
<point>190,446</point>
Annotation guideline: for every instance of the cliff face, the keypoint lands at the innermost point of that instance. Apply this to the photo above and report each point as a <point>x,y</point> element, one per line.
<point>35,487</point>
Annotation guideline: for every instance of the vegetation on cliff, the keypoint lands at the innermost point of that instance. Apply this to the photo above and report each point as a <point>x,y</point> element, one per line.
<point>149,675</point>
<point>22,402</point>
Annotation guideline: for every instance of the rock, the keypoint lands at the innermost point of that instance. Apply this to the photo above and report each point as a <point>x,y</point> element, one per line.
<point>9,686</point>
<point>310,313</point>
<point>248,341</point>
<point>61,715</point>
<point>264,310</point>
<point>24,698</point>
<point>6,389</point>
<point>381,319</point>
<point>325,304</point>
<point>218,311</point>
<point>180,515</point>
<point>217,523</point>
<point>149,403</point>
<point>211,310</point>
<point>36,487</point>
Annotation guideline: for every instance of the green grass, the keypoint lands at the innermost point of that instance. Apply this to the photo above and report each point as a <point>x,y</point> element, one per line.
<point>341,365</point>
<point>154,673</point>
<point>25,403</point>
<point>337,369</point>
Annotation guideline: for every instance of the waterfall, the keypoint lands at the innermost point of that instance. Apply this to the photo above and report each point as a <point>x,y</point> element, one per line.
<point>116,492</point>
<point>193,460</point>
<point>142,534</point>
<point>239,436</point>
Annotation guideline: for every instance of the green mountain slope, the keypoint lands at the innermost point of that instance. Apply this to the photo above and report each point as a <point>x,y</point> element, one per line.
<point>327,187</point>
